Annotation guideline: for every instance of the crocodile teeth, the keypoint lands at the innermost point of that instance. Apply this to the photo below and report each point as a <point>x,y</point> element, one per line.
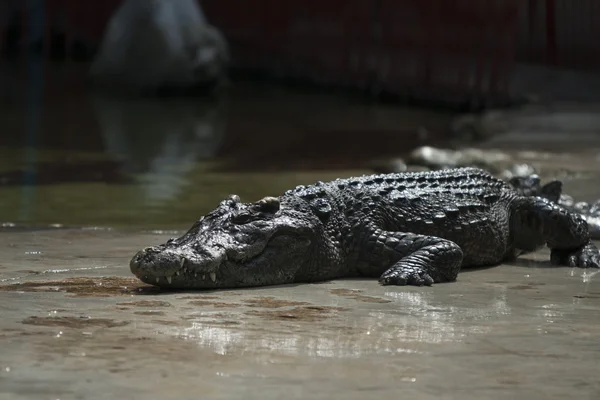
<point>195,275</point>
<point>157,279</point>
<point>185,270</point>
<point>203,277</point>
<point>213,277</point>
<point>169,279</point>
<point>182,261</point>
<point>176,273</point>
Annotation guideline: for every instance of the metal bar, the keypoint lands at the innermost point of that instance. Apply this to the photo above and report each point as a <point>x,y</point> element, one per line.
<point>551,32</point>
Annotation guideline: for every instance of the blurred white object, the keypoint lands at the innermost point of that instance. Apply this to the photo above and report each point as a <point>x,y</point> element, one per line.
<point>160,142</point>
<point>154,44</point>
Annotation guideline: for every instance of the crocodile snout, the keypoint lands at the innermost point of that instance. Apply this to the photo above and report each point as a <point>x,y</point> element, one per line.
<point>166,267</point>
<point>153,264</point>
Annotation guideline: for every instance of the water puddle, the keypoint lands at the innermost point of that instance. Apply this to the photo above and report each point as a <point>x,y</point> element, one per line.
<point>304,314</point>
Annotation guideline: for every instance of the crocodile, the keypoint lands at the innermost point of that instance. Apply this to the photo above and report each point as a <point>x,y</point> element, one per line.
<point>404,229</point>
<point>531,185</point>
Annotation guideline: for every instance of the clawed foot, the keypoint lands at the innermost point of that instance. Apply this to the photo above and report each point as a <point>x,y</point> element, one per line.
<point>586,257</point>
<point>406,276</point>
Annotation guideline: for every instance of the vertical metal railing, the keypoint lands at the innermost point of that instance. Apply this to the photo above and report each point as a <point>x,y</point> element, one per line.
<point>35,100</point>
<point>461,47</point>
<point>551,32</point>
<point>75,19</point>
<point>560,33</point>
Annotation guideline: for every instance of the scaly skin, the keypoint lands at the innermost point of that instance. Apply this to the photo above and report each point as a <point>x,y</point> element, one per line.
<point>405,229</point>
<point>532,186</point>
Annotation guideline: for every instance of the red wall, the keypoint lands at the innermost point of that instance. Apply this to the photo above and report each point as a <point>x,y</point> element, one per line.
<point>561,33</point>
<point>437,47</point>
<point>450,48</point>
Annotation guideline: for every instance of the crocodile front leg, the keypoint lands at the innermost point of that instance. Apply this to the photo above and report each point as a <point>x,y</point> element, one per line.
<point>410,259</point>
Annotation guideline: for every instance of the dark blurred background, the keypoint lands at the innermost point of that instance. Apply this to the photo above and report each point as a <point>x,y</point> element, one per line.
<point>279,93</point>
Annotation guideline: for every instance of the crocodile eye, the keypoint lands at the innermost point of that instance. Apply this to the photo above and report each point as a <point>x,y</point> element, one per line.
<point>241,219</point>
<point>269,204</point>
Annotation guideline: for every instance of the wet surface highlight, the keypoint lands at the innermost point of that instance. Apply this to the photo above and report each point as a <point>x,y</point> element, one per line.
<point>511,330</point>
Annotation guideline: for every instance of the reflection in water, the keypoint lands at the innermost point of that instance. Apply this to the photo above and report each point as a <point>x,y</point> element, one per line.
<point>550,311</point>
<point>160,141</point>
<point>276,139</point>
<point>414,319</point>
<point>67,171</point>
<point>35,90</point>
<point>588,275</point>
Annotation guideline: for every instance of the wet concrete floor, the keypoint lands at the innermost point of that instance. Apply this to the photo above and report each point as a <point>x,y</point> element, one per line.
<point>76,324</point>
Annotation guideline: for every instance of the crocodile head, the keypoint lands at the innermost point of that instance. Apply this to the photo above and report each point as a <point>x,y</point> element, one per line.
<point>235,245</point>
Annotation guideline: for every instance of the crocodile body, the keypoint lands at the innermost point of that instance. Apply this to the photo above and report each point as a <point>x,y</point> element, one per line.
<point>404,229</point>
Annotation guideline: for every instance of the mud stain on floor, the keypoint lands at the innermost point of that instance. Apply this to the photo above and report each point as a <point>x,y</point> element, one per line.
<point>308,313</point>
<point>146,303</point>
<point>74,322</point>
<point>215,318</point>
<point>199,297</point>
<point>211,315</point>
<point>86,287</point>
<point>590,295</point>
<point>526,286</point>
<point>215,304</point>
<point>257,302</point>
<point>271,302</point>
<point>220,322</point>
<point>345,292</point>
<point>28,271</point>
<point>356,295</point>
<point>164,322</point>
<point>150,312</point>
